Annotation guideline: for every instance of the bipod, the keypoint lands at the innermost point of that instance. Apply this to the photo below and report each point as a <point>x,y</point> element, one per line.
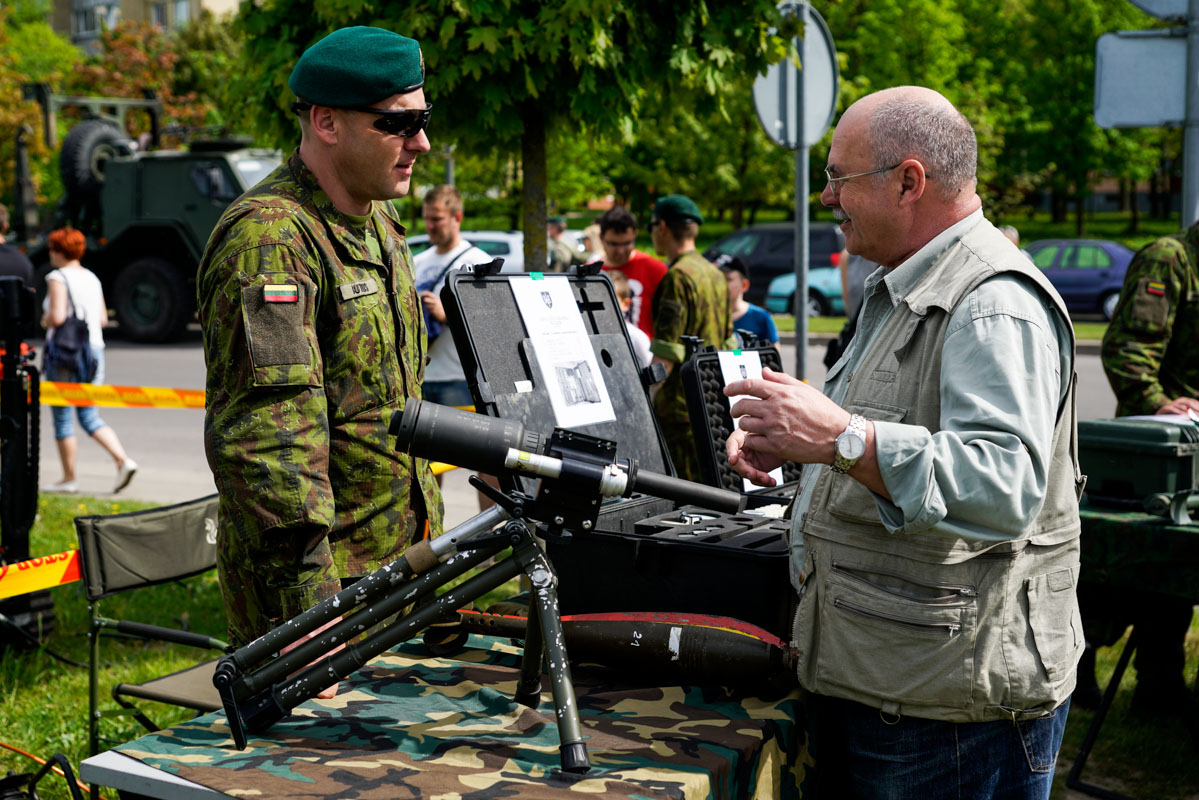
<point>258,687</point>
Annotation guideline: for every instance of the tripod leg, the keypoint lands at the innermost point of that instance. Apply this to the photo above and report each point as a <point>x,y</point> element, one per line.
<point>544,608</point>
<point>528,691</point>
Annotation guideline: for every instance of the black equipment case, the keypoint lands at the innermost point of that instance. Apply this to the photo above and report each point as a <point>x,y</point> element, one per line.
<point>1140,463</point>
<point>711,421</point>
<point>645,554</point>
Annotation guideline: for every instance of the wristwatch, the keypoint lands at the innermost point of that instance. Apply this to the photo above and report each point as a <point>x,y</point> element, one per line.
<point>850,445</point>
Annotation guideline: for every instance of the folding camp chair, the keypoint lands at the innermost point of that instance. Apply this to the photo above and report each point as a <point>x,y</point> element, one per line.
<point>122,552</point>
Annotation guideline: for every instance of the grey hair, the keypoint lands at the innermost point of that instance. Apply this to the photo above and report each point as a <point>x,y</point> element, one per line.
<point>935,133</point>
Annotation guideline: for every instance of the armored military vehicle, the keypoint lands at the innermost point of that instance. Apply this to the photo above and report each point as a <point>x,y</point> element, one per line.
<point>147,212</point>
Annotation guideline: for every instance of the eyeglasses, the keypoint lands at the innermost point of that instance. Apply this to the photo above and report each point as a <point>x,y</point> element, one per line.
<point>618,245</point>
<point>403,122</point>
<point>835,182</point>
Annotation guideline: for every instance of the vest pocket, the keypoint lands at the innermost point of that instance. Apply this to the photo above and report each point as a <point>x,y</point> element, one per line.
<point>1055,622</point>
<point>895,645</point>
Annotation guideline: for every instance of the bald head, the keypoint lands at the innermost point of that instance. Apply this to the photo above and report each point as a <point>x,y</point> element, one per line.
<point>915,122</point>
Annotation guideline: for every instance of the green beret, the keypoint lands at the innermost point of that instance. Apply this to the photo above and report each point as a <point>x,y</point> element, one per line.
<point>557,220</point>
<point>358,66</point>
<point>677,206</point>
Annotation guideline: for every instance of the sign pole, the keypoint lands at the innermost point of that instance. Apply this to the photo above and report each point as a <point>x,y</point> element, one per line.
<point>1190,136</point>
<point>801,205</point>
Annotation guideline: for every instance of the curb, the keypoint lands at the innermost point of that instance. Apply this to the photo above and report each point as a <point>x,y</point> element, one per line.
<point>1086,347</point>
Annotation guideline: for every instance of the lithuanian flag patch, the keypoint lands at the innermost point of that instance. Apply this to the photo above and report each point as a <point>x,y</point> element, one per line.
<point>1153,287</point>
<point>281,293</point>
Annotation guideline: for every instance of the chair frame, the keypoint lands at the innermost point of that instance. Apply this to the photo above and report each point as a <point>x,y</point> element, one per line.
<point>99,584</point>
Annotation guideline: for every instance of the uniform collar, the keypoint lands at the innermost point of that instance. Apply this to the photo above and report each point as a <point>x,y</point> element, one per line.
<point>342,228</point>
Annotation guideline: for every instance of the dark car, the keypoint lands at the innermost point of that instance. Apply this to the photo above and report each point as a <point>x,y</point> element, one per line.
<point>769,251</point>
<point>1087,273</point>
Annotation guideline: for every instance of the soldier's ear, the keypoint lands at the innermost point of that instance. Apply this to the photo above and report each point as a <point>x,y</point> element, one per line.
<point>325,124</point>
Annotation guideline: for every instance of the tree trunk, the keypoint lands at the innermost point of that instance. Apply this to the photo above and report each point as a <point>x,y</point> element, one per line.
<point>738,214</point>
<point>1080,220</point>
<point>1057,206</point>
<point>533,187</point>
<point>1135,225</point>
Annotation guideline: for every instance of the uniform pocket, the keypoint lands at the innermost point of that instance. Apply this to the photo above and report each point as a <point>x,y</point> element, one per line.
<point>897,637</point>
<point>1055,621</point>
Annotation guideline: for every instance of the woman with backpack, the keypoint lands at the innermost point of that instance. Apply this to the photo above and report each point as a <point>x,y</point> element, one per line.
<point>74,315</point>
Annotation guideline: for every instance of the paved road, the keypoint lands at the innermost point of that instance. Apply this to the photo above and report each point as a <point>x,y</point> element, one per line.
<point>168,443</point>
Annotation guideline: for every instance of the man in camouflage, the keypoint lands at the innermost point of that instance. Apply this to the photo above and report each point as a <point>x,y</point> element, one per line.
<point>313,338</point>
<point>1151,358</point>
<point>692,300</point>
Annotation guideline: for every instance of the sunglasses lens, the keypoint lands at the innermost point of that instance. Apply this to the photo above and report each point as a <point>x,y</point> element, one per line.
<point>406,124</point>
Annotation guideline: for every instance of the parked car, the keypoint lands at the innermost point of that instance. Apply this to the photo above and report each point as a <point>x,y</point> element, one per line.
<point>824,293</point>
<point>1087,273</point>
<point>508,245</point>
<point>769,251</point>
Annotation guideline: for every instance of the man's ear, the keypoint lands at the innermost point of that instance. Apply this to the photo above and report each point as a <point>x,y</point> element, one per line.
<point>912,181</point>
<point>325,124</point>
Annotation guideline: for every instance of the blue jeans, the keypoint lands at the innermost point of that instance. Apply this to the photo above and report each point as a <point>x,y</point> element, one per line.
<point>860,752</point>
<point>89,417</point>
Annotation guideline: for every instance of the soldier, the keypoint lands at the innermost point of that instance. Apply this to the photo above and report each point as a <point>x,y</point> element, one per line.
<point>692,300</point>
<point>562,255</point>
<point>1151,361</point>
<point>314,339</point>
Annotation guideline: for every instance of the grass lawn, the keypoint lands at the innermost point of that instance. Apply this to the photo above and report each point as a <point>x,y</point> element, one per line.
<point>43,703</point>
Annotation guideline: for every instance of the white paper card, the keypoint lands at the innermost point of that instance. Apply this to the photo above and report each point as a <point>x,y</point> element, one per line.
<point>569,368</point>
<point>740,365</point>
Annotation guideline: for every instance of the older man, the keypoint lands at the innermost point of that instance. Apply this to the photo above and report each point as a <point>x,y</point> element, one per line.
<point>313,337</point>
<point>935,541</point>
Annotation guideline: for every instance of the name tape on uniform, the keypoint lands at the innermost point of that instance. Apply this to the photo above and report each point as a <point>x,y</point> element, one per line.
<point>56,393</point>
<point>39,573</point>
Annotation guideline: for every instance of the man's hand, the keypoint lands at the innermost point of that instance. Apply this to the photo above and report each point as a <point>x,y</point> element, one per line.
<point>783,419</point>
<point>432,304</point>
<point>1180,405</point>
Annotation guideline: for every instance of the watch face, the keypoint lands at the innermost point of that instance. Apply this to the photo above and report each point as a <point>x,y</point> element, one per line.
<point>851,446</point>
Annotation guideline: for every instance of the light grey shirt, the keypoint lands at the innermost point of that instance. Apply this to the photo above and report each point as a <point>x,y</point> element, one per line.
<point>1005,369</point>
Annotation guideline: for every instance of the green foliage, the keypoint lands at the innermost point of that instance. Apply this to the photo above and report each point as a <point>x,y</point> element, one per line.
<point>209,50</point>
<point>41,55</point>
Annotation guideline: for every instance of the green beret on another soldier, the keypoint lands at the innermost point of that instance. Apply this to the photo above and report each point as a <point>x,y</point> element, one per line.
<point>692,300</point>
<point>314,338</point>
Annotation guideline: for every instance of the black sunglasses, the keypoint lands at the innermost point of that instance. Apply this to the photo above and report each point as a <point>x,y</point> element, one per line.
<point>404,122</point>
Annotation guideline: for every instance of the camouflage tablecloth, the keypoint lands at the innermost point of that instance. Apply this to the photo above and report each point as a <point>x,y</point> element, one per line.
<point>413,725</point>
<point>1131,550</point>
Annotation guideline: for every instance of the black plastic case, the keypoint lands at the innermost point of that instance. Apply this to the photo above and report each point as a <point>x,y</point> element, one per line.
<point>703,386</point>
<point>732,565</point>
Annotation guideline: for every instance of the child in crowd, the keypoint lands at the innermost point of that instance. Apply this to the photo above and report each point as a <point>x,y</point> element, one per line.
<point>746,316</point>
<point>624,293</point>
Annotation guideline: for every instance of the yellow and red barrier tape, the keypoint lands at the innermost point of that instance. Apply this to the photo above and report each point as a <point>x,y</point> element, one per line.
<point>55,393</point>
<point>58,393</point>
<point>39,573</point>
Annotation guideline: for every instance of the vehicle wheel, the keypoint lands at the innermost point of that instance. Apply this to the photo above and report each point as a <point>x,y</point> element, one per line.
<point>817,305</point>
<point>1108,304</point>
<point>87,148</point>
<point>152,301</point>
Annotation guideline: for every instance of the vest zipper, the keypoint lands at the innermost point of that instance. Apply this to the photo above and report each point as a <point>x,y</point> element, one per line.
<point>948,628</point>
<point>957,590</point>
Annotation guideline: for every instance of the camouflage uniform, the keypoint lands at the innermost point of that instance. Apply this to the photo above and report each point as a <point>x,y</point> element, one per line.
<point>1150,357</point>
<point>692,300</point>
<point>313,338</point>
<point>1149,350</point>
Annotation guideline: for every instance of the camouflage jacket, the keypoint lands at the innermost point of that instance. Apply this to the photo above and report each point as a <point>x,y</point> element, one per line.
<point>1149,350</point>
<point>692,300</point>
<point>313,338</point>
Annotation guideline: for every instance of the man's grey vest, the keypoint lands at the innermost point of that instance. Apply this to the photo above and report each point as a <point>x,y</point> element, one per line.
<point>928,624</point>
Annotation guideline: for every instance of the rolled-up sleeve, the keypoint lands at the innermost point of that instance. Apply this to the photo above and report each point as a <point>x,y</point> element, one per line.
<point>983,476</point>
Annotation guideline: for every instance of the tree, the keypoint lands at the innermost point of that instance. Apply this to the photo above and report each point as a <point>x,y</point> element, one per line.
<point>509,73</point>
